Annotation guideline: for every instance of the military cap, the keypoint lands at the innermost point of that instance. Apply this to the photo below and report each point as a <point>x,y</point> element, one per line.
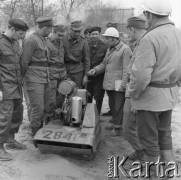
<point>87,30</point>
<point>18,24</point>
<point>76,25</point>
<point>45,21</point>
<point>111,24</point>
<point>138,22</point>
<point>95,28</point>
<point>59,28</point>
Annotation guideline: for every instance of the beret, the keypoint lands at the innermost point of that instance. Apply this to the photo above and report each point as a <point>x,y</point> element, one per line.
<point>18,24</point>
<point>87,30</point>
<point>59,28</point>
<point>76,25</point>
<point>45,21</point>
<point>111,24</point>
<point>137,22</point>
<point>95,28</point>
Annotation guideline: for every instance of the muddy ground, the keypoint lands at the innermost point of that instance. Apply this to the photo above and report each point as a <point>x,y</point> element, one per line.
<point>30,164</point>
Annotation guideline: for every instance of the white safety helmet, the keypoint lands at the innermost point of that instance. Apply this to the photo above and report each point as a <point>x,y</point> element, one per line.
<point>160,7</point>
<point>111,32</point>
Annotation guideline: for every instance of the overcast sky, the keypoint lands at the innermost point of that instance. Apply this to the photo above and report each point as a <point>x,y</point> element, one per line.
<point>176,5</point>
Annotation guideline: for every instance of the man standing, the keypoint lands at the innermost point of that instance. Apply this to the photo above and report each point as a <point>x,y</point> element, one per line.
<point>34,68</point>
<point>155,75</point>
<point>109,113</point>
<point>57,70</point>
<point>11,108</point>
<point>97,53</point>
<point>77,56</point>
<point>136,29</point>
<point>115,66</point>
<point>86,32</point>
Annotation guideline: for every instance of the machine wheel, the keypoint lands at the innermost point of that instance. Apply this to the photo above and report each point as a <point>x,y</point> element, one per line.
<point>66,115</point>
<point>89,157</point>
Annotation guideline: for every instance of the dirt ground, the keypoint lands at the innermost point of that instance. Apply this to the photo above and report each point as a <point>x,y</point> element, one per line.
<point>30,164</point>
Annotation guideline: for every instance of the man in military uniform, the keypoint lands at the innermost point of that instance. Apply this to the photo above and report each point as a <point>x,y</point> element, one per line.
<point>11,108</point>
<point>87,32</point>
<point>57,70</point>
<point>34,68</point>
<point>136,27</point>
<point>97,53</point>
<point>77,57</point>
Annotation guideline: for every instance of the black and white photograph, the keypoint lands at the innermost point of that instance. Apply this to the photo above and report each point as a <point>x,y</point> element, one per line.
<point>90,90</point>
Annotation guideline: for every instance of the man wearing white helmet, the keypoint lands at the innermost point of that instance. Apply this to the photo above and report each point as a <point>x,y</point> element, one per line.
<point>154,81</point>
<point>115,66</point>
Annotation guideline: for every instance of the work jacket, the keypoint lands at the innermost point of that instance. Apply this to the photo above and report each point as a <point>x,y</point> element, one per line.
<point>156,59</point>
<point>115,66</point>
<point>34,60</point>
<point>57,70</point>
<point>77,55</point>
<point>97,54</point>
<point>10,75</point>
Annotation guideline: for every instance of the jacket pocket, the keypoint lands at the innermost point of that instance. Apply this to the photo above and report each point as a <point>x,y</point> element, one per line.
<point>7,53</point>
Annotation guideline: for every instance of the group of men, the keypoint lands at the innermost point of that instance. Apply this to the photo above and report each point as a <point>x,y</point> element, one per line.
<point>149,77</point>
<point>36,66</point>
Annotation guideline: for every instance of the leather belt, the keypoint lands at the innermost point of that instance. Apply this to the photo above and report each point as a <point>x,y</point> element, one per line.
<point>73,62</point>
<point>152,84</point>
<point>46,64</point>
<point>56,65</point>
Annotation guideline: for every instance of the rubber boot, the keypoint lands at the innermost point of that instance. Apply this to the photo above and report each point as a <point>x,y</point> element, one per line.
<point>4,155</point>
<point>34,130</point>
<point>137,155</point>
<point>167,156</point>
<point>152,173</point>
<point>13,144</point>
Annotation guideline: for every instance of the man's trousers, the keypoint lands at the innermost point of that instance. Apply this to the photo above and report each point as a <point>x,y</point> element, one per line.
<point>129,126</point>
<point>117,100</point>
<point>11,117</point>
<point>154,131</point>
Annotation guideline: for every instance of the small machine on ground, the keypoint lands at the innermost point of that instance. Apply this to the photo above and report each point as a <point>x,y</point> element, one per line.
<point>76,126</point>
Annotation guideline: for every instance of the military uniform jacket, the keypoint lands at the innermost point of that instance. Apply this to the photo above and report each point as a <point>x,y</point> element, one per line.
<point>157,59</point>
<point>10,76</point>
<point>115,66</point>
<point>57,68</point>
<point>77,55</point>
<point>97,54</point>
<point>35,51</point>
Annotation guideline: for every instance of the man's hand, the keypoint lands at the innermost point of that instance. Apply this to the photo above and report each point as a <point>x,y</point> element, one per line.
<point>133,110</point>
<point>85,80</point>
<point>121,89</point>
<point>92,72</point>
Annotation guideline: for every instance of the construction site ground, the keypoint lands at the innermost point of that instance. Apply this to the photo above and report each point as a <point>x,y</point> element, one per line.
<point>30,164</point>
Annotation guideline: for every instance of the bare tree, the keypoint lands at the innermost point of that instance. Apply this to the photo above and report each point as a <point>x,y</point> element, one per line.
<point>9,6</point>
<point>42,7</point>
<point>69,6</point>
<point>33,11</point>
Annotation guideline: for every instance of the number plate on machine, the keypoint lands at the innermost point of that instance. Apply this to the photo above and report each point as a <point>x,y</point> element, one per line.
<point>63,136</point>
